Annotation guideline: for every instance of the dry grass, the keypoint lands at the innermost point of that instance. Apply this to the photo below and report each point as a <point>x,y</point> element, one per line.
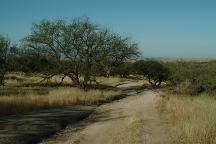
<point>55,98</point>
<point>186,87</point>
<point>193,118</point>
<point>24,93</point>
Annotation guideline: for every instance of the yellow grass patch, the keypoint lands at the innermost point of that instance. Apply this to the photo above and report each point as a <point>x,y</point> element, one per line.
<point>193,118</point>
<point>55,98</point>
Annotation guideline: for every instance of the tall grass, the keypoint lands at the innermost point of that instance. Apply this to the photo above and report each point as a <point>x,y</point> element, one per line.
<point>55,98</point>
<point>25,93</point>
<point>193,119</point>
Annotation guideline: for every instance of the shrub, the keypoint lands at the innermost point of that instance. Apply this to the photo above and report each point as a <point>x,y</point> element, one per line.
<point>123,70</point>
<point>185,87</point>
<point>155,71</point>
<point>202,75</point>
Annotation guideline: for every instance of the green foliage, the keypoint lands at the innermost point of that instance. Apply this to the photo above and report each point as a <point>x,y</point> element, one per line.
<point>123,70</point>
<point>155,71</point>
<point>202,75</point>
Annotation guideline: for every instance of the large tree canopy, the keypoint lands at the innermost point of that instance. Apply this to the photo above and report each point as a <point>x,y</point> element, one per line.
<point>80,48</point>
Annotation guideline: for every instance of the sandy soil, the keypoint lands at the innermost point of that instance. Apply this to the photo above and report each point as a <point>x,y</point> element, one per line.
<point>132,120</point>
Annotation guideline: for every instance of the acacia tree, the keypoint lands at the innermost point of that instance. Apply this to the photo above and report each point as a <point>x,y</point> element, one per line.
<point>154,71</point>
<point>4,47</point>
<point>123,70</point>
<point>80,48</point>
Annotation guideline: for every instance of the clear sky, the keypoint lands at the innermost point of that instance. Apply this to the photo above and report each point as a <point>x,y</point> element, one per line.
<point>163,28</point>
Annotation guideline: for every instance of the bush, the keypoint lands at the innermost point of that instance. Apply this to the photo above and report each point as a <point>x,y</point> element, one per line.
<point>155,71</point>
<point>123,70</point>
<point>185,87</point>
<point>202,75</point>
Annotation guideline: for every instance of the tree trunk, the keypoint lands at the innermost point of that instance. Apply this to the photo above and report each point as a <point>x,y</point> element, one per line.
<point>2,79</point>
<point>149,79</point>
<point>87,73</point>
<point>86,80</point>
<point>74,78</point>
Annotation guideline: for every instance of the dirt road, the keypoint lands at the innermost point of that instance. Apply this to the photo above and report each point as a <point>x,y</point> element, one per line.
<point>132,120</point>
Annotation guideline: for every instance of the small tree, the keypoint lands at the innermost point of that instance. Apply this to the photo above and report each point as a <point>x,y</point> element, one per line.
<point>154,71</point>
<point>123,70</point>
<point>4,46</point>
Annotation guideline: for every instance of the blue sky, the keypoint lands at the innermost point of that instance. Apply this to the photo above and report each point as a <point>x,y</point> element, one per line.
<point>162,28</point>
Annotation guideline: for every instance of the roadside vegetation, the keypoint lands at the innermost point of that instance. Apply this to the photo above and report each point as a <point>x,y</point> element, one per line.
<point>192,119</point>
<point>200,76</point>
<point>189,102</point>
<point>154,71</point>
<point>58,97</point>
<point>23,93</point>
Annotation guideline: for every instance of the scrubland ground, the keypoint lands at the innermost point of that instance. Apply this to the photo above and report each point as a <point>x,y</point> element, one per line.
<point>192,118</point>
